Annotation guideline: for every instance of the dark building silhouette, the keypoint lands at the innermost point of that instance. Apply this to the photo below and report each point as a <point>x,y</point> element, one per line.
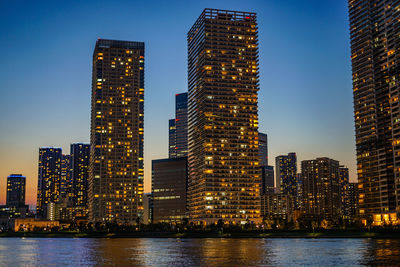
<point>66,178</point>
<point>263,148</point>
<point>374,30</point>
<point>267,180</point>
<point>178,140</point>
<point>116,140</point>
<point>49,179</point>
<point>16,186</point>
<point>223,84</point>
<point>321,188</point>
<point>169,189</point>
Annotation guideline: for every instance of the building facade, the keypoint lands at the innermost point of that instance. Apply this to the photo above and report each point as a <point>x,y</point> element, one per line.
<point>80,160</point>
<point>169,189</point>
<point>49,179</point>
<point>374,30</point>
<point>321,188</point>
<point>16,187</point>
<point>344,188</point>
<point>263,148</point>
<point>223,83</point>
<point>116,140</point>
<point>286,175</point>
<point>66,181</point>
<point>171,138</point>
<point>352,205</point>
<point>277,206</point>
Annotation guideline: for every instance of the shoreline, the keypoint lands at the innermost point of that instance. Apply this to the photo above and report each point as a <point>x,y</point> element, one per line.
<point>336,234</point>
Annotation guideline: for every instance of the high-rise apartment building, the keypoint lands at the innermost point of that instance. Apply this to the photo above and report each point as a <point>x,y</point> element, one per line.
<point>169,190</point>
<point>80,160</point>
<point>286,175</point>
<point>178,135</point>
<point>16,186</point>
<point>223,82</point>
<point>321,188</point>
<point>374,30</point>
<point>116,140</point>
<point>49,179</point>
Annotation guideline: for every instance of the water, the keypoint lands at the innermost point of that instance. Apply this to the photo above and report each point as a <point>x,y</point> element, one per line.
<point>197,252</point>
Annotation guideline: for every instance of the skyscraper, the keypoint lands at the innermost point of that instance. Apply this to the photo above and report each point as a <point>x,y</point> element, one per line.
<point>321,188</point>
<point>286,175</point>
<point>116,140</point>
<point>49,179</point>
<point>171,138</point>
<point>178,140</point>
<point>16,186</point>
<point>374,30</point>
<point>263,148</point>
<point>224,173</point>
<point>181,119</point>
<point>80,159</point>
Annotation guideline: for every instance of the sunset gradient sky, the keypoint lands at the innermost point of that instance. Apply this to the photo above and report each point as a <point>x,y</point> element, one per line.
<point>305,98</point>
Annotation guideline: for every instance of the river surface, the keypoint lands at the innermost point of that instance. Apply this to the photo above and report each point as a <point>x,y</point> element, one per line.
<point>198,252</point>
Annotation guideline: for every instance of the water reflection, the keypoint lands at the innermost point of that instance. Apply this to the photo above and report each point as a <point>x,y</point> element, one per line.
<point>197,252</point>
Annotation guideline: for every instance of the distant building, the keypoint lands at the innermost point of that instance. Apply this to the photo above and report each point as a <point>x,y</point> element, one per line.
<point>223,84</point>
<point>263,148</point>
<point>171,138</point>
<point>117,130</point>
<point>321,188</point>
<point>16,186</point>
<point>66,182</point>
<point>80,160</point>
<point>178,129</point>
<point>344,187</point>
<point>352,199</point>
<point>277,206</point>
<point>299,196</point>
<point>147,208</point>
<point>267,180</point>
<point>286,175</point>
<point>49,179</point>
<point>169,189</point>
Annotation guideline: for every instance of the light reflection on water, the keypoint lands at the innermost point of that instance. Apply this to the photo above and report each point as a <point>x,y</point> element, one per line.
<point>197,252</point>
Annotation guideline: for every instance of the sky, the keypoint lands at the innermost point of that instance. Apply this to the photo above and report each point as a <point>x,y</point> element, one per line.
<point>305,97</point>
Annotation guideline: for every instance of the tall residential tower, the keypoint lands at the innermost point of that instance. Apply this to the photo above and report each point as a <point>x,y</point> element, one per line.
<point>116,140</point>
<point>375,55</point>
<point>224,173</point>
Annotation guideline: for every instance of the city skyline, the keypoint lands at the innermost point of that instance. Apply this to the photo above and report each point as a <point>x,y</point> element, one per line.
<point>156,135</point>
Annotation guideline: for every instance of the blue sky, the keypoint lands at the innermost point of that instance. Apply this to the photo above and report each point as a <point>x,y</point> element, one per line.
<point>305,98</point>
